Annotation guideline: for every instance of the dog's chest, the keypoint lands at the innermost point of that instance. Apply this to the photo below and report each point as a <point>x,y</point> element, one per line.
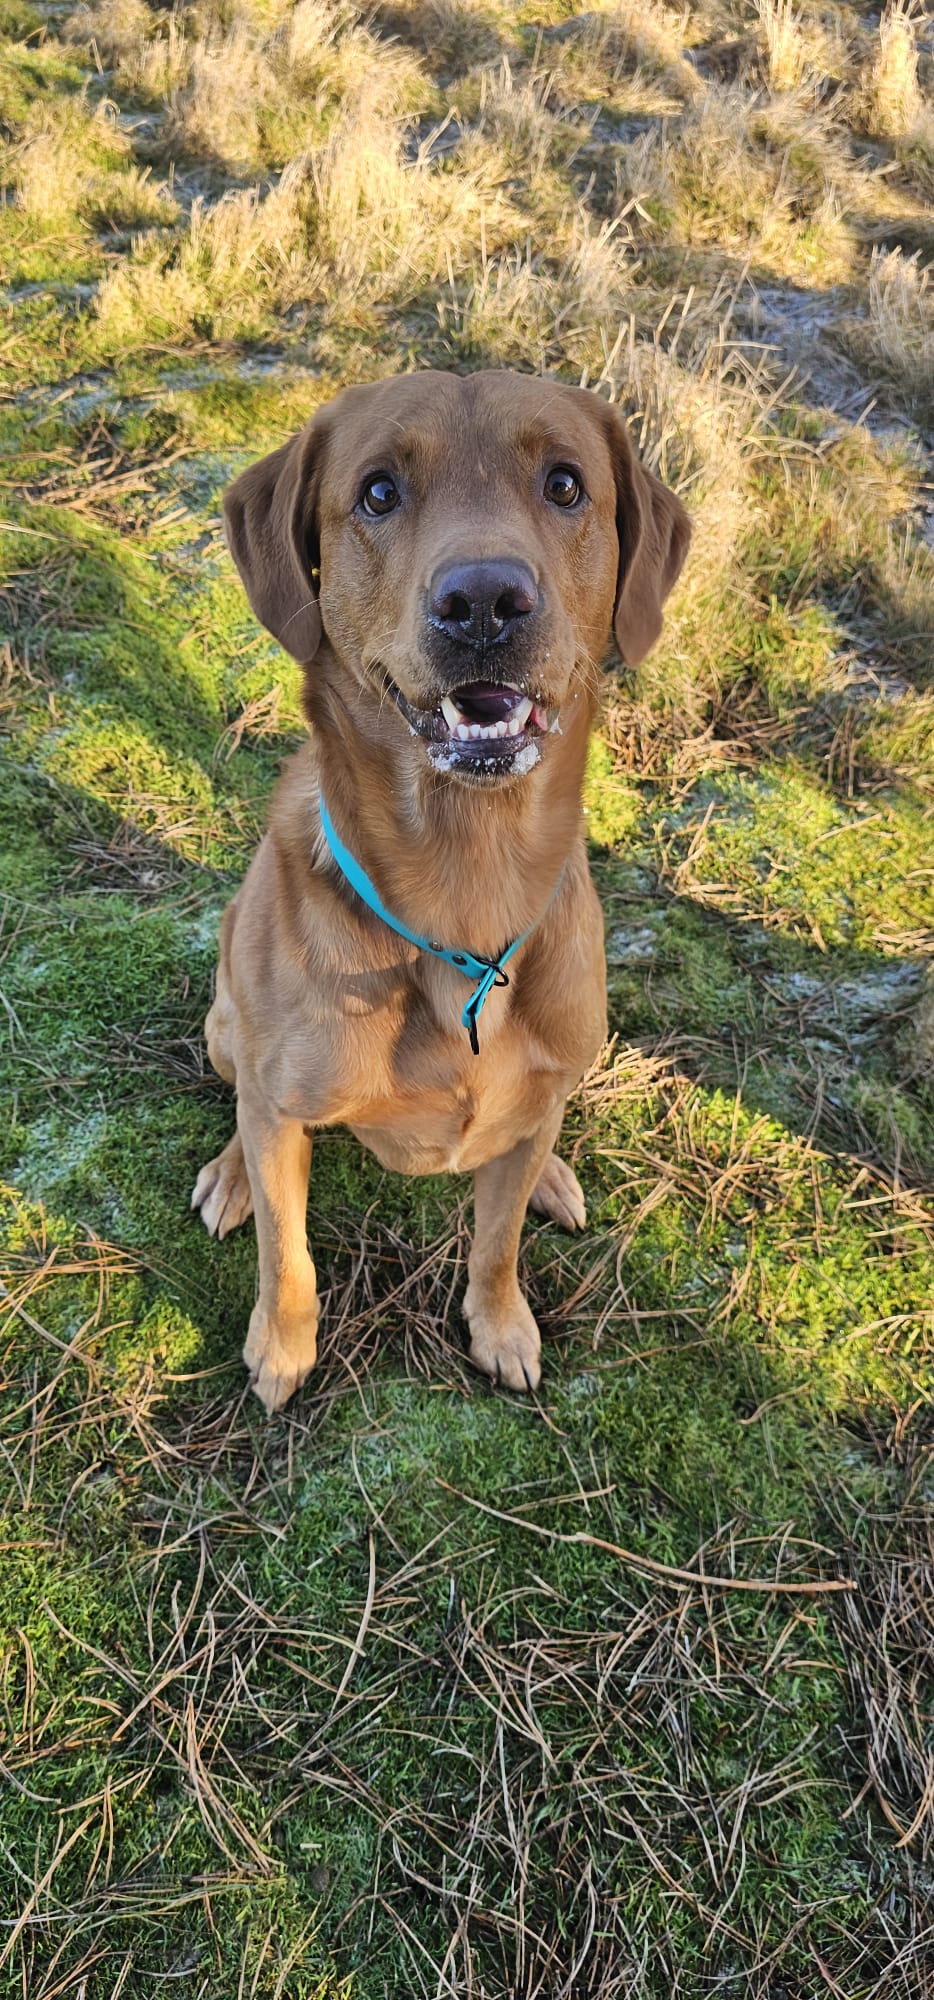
<point>429,1127</point>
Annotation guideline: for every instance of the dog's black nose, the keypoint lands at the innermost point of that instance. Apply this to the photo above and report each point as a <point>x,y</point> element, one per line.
<point>477,602</point>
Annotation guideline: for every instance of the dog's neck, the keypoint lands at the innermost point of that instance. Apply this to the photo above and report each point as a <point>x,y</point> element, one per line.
<point>469,864</point>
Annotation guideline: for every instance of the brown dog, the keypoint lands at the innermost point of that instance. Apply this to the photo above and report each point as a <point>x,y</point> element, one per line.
<point>445,555</point>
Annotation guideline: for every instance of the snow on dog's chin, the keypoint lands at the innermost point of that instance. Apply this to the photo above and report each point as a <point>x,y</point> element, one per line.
<point>450,757</point>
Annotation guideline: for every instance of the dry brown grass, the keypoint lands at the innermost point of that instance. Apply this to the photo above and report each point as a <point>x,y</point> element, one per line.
<point>700,406</point>
<point>786,54</point>
<point>352,223</point>
<point>768,179</point>
<point>891,97</point>
<point>454,35</point>
<point>216,107</point>
<point>237,254</point>
<point>621,51</point>
<point>896,336</point>
<point>73,161</point>
<point>800,48</point>
<point>381,223</point>
<point>254,88</point>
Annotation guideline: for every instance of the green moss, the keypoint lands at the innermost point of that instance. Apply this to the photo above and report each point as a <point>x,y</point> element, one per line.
<point>18,20</point>
<point>35,74</point>
<point>612,805</point>
<point>779,847</point>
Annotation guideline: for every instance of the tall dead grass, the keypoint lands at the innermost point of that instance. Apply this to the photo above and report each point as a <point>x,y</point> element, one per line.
<point>896,335</point>
<point>236,255</point>
<point>455,35</point>
<point>254,88</point>
<point>786,59</point>
<point>891,95</point>
<point>699,405</point>
<point>354,223</point>
<point>617,49</point>
<point>70,161</point>
<point>745,175</point>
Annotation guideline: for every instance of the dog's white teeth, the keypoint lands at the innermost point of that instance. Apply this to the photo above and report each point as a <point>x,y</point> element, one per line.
<point>485,732</point>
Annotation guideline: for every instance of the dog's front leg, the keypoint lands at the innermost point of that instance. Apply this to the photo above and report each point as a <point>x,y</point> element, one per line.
<point>281,1345</point>
<point>504,1338</point>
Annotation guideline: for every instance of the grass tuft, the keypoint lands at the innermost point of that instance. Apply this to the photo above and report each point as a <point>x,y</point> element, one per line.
<point>897,334</point>
<point>892,96</point>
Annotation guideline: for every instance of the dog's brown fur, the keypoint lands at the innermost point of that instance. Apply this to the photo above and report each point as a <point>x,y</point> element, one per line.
<point>322,1014</point>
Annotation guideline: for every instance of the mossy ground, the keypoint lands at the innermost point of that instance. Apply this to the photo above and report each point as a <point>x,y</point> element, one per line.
<point>333,1706</point>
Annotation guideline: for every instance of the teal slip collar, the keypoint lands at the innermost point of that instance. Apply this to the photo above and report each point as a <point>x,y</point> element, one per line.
<point>488,972</point>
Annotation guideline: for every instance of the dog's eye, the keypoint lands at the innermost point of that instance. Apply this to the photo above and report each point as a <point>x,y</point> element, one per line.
<point>563,487</point>
<point>380,495</point>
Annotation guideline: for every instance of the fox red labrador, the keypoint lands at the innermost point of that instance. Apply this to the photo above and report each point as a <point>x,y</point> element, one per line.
<point>417,948</point>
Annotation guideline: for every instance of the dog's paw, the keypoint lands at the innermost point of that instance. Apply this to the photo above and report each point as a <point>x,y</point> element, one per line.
<point>222,1191</point>
<point>505,1344</point>
<point>558,1194</point>
<point>279,1353</point>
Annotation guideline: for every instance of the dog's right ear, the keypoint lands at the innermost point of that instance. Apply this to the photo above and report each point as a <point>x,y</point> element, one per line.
<point>272,533</point>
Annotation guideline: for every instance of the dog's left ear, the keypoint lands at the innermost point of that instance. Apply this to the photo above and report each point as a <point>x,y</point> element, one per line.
<point>654,532</point>
<point>271,518</point>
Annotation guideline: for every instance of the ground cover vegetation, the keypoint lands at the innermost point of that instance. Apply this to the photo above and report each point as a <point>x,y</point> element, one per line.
<point>373,1699</point>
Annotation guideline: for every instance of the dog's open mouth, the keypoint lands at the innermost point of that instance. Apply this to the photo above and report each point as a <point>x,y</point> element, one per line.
<point>486,728</point>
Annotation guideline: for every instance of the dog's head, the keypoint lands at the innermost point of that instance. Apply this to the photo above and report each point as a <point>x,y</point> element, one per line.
<point>464,545</point>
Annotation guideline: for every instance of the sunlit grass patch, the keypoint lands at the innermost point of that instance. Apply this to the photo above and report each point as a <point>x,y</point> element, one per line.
<point>777,847</point>
<point>353,223</point>
<point>768,176</point>
<point>221,279</point>
<point>70,161</point>
<point>250,91</point>
<point>786,54</point>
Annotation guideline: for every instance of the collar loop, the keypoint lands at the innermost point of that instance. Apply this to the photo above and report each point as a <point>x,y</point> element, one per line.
<point>487,972</point>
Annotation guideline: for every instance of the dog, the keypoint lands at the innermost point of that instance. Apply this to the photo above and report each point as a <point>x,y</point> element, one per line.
<point>417,948</point>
